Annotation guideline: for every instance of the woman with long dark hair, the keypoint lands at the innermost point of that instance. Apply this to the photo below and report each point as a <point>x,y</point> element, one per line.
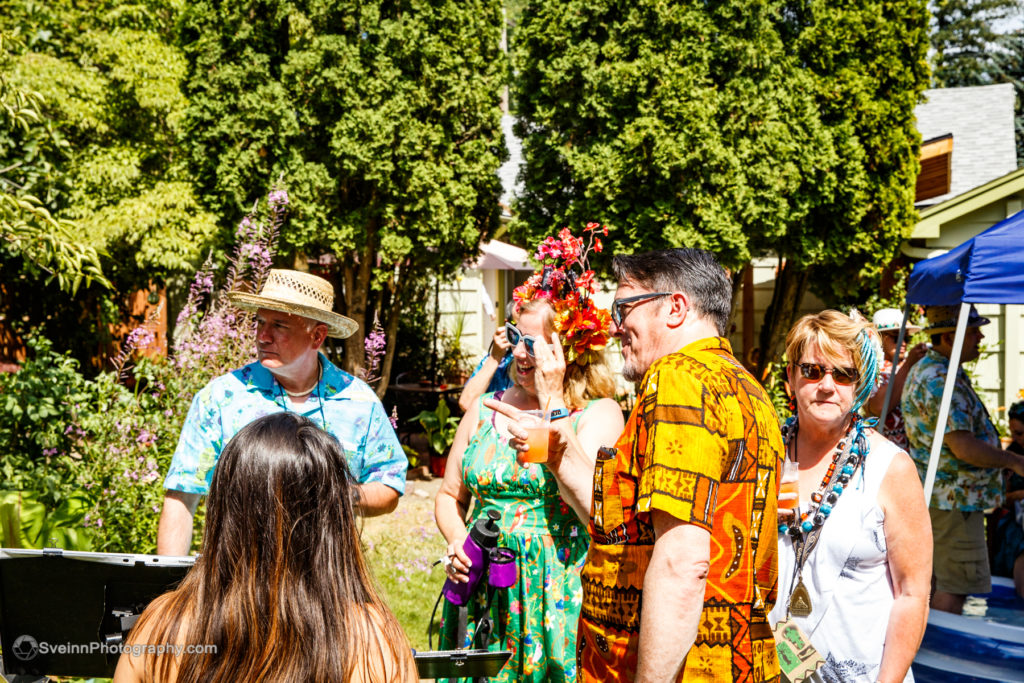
<point>280,588</point>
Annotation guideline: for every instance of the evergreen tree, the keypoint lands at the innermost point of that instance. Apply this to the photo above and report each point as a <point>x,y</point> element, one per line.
<point>383,117</point>
<point>743,126</point>
<point>965,40</point>
<point>1008,67</point>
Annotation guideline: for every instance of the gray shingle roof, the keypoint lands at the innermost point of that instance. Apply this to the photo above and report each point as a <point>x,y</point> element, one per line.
<point>981,121</point>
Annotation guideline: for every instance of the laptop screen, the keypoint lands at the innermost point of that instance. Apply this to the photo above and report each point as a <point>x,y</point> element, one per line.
<point>64,613</point>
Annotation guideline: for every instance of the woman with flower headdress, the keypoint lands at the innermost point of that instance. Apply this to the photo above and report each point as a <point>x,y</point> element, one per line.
<point>558,331</point>
<point>855,556</point>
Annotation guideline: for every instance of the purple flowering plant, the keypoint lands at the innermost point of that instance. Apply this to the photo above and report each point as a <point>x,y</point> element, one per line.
<point>118,431</point>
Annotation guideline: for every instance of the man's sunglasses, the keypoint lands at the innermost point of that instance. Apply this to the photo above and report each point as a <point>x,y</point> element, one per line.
<point>513,335</point>
<point>815,373</point>
<point>618,316</point>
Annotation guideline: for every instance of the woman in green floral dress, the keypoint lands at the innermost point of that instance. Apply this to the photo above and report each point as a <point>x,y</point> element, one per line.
<point>536,618</point>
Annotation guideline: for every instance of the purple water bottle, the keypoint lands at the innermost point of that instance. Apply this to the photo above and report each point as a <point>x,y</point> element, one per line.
<point>483,536</point>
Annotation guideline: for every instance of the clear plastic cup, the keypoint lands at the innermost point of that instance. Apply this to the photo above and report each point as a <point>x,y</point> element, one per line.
<point>789,491</point>
<point>538,429</point>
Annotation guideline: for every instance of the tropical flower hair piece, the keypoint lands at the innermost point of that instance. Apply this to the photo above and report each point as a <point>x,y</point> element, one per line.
<point>566,281</point>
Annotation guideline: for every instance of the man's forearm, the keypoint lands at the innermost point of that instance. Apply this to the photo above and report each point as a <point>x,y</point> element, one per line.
<point>574,473</point>
<point>376,499</point>
<point>673,600</point>
<point>980,454</point>
<point>174,533</point>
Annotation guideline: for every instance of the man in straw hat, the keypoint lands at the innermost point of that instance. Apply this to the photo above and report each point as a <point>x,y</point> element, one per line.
<point>294,315</point>
<point>968,479</point>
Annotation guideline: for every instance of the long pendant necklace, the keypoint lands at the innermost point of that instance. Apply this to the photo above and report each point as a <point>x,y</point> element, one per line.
<point>805,534</point>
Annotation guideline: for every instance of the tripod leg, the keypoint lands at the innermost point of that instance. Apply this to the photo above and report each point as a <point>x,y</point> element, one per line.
<point>460,629</point>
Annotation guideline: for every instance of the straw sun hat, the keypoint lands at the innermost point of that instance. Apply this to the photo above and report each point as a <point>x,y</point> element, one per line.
<point>943,319</point>
<point>298,293</point>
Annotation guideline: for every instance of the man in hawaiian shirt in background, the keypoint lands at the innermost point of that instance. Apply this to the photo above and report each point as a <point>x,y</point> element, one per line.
<point>682,567</point>
<point>968,480</point>
<point>294,315</point>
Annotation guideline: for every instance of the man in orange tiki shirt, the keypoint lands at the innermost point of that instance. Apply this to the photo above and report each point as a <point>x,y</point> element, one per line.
<point>681,571</point>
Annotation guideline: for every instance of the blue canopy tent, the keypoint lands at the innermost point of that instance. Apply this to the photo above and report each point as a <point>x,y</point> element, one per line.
<point>986,269</point>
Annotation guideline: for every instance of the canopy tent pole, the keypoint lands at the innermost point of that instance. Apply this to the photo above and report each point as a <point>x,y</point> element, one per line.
<point>947,398</point>
<point>895,361</point>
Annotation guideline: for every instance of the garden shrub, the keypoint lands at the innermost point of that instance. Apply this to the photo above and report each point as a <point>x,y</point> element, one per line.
<point>101,447</point>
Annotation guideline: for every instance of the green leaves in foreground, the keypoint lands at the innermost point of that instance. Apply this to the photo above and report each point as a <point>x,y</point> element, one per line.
<point>27,523</point>
<point>48,244</point>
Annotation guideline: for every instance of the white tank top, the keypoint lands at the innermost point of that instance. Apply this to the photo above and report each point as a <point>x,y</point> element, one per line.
<point>847,578</point>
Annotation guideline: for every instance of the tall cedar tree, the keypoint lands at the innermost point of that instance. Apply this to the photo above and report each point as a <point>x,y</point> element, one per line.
<point>1008,67</point>
<point>382,116</point>
<point>745,127</point>
<point>868,63</point>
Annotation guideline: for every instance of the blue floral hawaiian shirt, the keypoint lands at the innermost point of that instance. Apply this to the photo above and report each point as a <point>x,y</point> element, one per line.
<point>501,380</point>
<point>345,406</point>
<point>958,485</point>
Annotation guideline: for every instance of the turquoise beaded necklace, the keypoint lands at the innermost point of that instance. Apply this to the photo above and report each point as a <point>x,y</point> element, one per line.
<point>823,500</point>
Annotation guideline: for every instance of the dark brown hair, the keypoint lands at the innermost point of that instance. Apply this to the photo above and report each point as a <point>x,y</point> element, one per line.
<point>280,587</point>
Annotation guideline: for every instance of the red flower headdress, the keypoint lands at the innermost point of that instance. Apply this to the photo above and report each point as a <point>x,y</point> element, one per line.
<point>583,328</point>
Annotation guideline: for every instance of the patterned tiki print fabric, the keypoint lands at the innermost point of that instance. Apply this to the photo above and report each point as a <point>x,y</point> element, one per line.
<point>536,618</point>
<point>958,485</point>
<point>703,444</point>
<point>349,407</point>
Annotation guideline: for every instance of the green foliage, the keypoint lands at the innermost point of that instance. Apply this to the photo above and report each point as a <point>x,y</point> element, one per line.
<point>28,523</point>
<point>84,457</point>
<point>439,426</point>
<point>963,37</point>
<point>101,157</point>
<point>745,127</point>
<point>865,92</point>
<point>36,405</point>
<point>26,226</point>
<point>383,116</point>
<point>675,124</point>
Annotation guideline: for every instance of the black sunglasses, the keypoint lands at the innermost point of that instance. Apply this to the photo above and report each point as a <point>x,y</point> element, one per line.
<point>815,373</point>
<point>513,335</point>
<point>618,316</point>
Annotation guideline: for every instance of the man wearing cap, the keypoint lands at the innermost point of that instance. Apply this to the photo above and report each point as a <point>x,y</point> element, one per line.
<point>294,315</point>
<point>968,479</point>
<point>888,321</point>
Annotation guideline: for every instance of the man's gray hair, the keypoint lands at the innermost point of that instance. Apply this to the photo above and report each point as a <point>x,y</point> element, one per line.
<point>695,272</point>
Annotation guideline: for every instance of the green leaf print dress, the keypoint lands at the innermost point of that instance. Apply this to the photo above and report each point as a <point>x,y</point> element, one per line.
<point>535,618</point>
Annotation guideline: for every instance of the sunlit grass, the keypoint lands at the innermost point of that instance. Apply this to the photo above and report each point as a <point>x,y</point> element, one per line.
<point>401,549</point>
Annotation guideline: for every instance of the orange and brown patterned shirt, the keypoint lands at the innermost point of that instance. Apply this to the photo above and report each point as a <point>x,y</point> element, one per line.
<point>702,444</point>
